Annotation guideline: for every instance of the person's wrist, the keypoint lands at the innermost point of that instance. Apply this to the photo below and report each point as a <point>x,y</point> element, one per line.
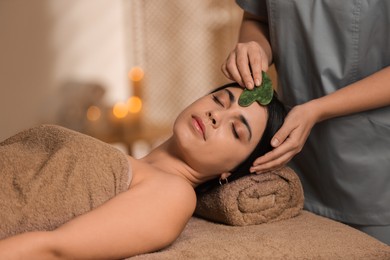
<point>315,110</point>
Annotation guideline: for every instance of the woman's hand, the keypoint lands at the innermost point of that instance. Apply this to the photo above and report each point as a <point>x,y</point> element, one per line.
<point>368,93</point>
<point>245,63</point>
<point>289,140</point>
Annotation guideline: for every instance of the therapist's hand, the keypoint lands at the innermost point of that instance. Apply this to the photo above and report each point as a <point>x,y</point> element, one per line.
<point>245,63</point>
<point>289,140</point>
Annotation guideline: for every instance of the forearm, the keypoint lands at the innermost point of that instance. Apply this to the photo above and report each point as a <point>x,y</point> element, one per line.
<point>255,28</point>
<point>32,245</point>
<point>369,93</point>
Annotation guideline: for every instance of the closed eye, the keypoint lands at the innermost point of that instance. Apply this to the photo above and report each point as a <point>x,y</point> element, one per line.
<point>235,132</point>
<point>216,100</point>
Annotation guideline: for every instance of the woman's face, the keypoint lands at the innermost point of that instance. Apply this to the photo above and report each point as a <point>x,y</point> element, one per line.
<point>215,134</point>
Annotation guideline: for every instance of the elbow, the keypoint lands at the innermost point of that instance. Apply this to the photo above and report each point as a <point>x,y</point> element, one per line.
<point>49,248</point>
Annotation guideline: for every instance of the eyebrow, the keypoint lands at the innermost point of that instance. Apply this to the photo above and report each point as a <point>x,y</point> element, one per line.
<point>232,99</point>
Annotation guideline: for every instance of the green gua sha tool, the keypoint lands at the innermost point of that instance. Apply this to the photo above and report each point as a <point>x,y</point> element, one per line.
<point>263,94</point>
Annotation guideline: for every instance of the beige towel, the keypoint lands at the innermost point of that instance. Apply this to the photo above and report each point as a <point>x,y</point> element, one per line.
<point>49,175</point>
<point>306,236</point>
<point>254,199</point>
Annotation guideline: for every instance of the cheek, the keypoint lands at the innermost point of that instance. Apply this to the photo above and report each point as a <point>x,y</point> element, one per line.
<point>220,153</point>
<point>226,152</point>
<point>214,157</point>
<point>182,135</point>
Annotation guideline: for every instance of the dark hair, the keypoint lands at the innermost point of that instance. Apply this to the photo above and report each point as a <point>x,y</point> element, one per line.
<point>276,113</point>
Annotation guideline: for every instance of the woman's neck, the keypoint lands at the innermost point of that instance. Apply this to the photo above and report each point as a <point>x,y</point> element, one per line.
<point>166,158</point>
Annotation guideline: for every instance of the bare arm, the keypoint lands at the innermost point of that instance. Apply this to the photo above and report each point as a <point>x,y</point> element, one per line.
<point>255,28</point>
<point>369,93</point>
<point>252,52</point>
<point>148,217</point>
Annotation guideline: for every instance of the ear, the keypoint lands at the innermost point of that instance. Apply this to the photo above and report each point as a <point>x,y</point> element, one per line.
<point>225,175</point>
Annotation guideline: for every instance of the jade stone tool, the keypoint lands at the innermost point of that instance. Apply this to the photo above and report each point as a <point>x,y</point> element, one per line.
<point>263,94</point>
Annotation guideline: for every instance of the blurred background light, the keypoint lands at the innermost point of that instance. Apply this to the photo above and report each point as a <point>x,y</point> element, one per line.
<point>134,104</point>
<point>120,110</point>
<point>93,113</point>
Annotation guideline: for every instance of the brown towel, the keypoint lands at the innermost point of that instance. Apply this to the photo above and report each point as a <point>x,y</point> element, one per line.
<point>49,175</point>
<point>254,199</point>
<point>306,236</point>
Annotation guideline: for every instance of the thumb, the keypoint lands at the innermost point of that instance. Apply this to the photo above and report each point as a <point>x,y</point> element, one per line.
<point>280,136</point>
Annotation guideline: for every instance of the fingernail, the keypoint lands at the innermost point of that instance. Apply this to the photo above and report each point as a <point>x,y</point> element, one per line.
<point>249,85</point>
<point>257,82</point>
<point>275,142</point>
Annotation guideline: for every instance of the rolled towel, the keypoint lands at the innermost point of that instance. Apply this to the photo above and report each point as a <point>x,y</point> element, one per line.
<point>50,174</point>
<point>254,199</point>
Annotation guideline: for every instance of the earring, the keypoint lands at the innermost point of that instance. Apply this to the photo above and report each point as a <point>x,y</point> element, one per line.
<point>223,181</point>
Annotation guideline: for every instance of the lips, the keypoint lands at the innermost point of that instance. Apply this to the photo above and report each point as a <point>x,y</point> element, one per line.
<point>199,126</point>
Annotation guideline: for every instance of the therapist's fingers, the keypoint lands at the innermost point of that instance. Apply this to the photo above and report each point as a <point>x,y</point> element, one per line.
<point>258,63</point>
<point>282,134</point>
<point>286,143</point>
<point>290,138</point>
<point>230,70</point>
<point>226,72</point>
<point>256,70</point>
<point>279,156</point>
<point>274,159</point>
<point>243,65</point>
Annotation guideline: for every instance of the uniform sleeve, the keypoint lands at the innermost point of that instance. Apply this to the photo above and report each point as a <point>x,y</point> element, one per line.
<point>255,7</point>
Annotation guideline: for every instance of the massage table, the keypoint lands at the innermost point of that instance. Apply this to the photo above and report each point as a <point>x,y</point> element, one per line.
<point>254,217</point>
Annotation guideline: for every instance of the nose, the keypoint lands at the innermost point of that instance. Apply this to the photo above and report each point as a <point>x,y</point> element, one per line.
<point>214,119</point>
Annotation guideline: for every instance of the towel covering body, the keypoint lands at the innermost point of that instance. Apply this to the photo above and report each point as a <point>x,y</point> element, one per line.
<point>49,175</point>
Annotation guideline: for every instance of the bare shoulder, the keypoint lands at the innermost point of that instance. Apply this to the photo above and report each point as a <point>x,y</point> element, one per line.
<point>166,203</point>
<point>173,189</point>
<point>159,185</point>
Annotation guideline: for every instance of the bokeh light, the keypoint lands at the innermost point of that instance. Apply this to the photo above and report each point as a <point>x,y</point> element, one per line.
<point>134,104</point>
<point>136,74</point>
<point>120,110</point>
<point>93,113</point>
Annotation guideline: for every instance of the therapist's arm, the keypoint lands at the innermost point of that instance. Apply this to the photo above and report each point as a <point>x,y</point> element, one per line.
<point>369,93</point>
<point>251,54</point>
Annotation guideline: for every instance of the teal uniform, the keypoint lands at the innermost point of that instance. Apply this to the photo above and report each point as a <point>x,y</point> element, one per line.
<point>319,47</point>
